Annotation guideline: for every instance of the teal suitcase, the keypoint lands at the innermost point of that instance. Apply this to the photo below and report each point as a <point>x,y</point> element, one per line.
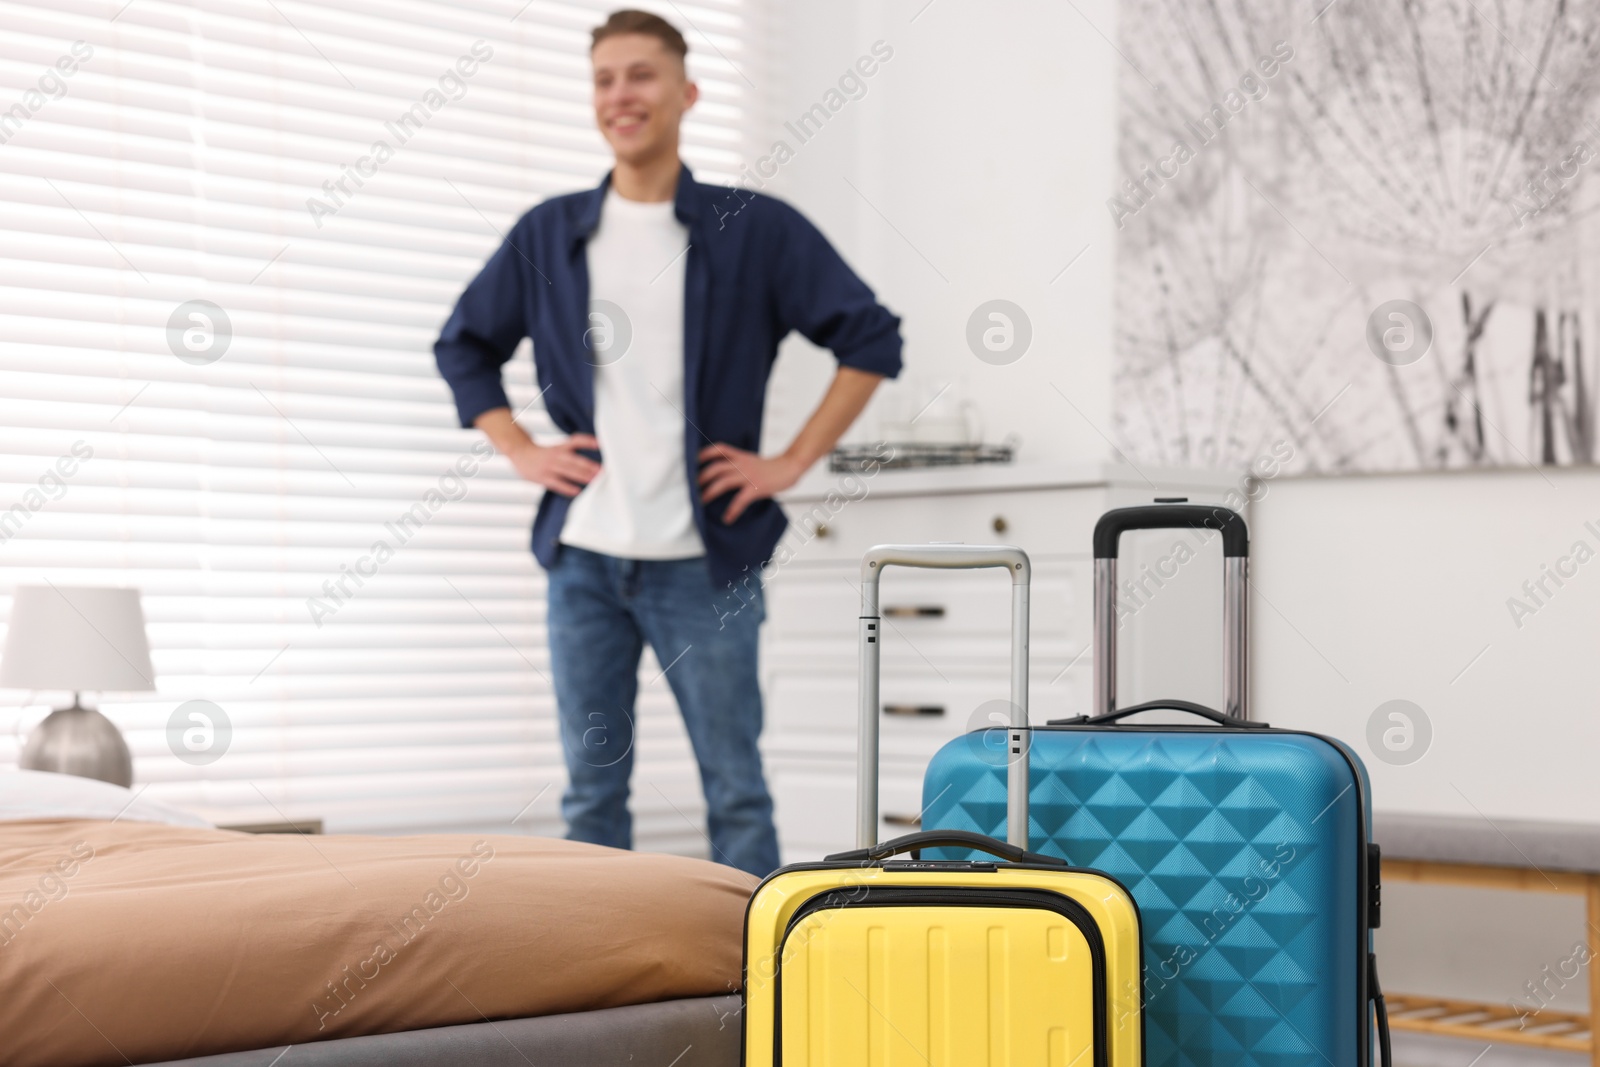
<point>1247,849</point>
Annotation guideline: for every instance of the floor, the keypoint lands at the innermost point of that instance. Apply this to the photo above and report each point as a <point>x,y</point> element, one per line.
<point>1425,1050</point>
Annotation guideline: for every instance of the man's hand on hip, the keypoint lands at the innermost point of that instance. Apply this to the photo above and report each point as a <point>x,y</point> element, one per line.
<point>751,478</point>
<point>558,467</point>
<point>746,475</point>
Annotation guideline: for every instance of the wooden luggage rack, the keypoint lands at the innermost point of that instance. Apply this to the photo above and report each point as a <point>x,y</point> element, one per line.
<point>1526,857</point>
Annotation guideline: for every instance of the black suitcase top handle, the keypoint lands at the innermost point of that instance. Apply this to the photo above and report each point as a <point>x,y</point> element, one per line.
<point>1159,705</point>
<point>944,839</point>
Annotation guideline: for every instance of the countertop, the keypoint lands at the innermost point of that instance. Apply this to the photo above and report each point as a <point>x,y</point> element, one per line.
<point>999,477</point>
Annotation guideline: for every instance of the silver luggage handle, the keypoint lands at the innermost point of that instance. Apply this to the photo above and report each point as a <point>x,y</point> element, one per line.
<point>1235,622</point>
<point>943,557</point>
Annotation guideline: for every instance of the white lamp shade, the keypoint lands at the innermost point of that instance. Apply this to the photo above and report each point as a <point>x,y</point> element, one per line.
<point>76,638</point>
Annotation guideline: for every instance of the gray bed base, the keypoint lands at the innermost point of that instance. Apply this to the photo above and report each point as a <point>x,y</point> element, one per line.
<point>699,1032</point>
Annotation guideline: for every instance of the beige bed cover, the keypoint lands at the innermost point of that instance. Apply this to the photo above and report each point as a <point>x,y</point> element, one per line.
<point>132,942</point>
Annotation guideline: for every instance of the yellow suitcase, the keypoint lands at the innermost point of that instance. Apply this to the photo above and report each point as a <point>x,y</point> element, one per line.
<point>935,963</point>
<point>872,960</point>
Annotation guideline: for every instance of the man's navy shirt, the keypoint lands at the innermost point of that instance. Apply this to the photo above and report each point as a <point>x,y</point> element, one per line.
<point>756,269</point>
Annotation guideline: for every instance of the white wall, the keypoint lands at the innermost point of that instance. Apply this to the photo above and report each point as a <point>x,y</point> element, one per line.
<point>1371,589</point>
<point>981,151</point>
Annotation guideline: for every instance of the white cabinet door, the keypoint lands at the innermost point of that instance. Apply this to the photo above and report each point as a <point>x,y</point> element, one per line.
<point>815,807</point>
<point>929,616</point>
<point>816,714</point>
<point>1043,522</point>
<point>815,802</point>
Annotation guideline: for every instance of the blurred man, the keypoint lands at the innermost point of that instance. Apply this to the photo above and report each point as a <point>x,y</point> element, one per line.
<point>656,305</point>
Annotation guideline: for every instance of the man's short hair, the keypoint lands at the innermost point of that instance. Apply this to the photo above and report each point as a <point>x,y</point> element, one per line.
<point>629,20</point>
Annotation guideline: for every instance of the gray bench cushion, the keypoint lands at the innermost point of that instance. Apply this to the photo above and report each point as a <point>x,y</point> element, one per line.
<point>702,1032</point>
<point>1550,846</point>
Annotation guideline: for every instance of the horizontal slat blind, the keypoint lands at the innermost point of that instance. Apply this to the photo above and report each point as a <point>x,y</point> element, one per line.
<point>175,163</point>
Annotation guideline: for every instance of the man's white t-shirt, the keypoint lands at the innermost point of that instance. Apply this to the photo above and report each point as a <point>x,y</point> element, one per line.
<point>639,505</point>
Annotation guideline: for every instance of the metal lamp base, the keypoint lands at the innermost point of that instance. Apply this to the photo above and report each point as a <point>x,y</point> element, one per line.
<point>82,742</point>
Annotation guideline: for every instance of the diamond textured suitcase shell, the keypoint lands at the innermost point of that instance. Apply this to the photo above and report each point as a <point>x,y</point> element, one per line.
<point>1242,850</point>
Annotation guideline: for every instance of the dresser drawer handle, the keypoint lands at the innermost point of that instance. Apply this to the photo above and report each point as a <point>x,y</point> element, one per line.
<point>914,611</point>
<point>913,821</point>
<point>913,710</point>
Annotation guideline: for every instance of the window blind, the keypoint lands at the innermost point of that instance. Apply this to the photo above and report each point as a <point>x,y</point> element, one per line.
<point>229,233</point>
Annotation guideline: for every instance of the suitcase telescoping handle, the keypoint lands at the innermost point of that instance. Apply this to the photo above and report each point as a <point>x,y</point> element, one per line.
<point>944,557</point>
<point>1235,559</point>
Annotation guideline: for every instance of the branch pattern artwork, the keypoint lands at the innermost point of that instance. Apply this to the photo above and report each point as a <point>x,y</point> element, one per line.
<point>1365,228</point>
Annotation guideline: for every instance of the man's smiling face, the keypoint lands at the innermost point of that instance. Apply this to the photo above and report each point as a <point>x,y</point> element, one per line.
<point>640,94</point>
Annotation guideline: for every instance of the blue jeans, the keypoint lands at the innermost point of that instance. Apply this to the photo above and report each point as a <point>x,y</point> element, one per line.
<point>602,611</point>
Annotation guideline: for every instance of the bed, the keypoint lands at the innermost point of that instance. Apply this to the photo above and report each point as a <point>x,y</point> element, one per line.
<point>146,936</point>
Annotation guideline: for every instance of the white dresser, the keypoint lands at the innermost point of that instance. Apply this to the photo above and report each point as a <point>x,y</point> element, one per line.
<point>946,634</point>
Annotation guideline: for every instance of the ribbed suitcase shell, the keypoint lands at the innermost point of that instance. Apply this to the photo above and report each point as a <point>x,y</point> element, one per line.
<point>850,965</point>
<point>1244,852</point>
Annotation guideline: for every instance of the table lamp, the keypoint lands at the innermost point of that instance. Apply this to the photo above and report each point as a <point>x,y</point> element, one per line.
<point>77,638</point>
